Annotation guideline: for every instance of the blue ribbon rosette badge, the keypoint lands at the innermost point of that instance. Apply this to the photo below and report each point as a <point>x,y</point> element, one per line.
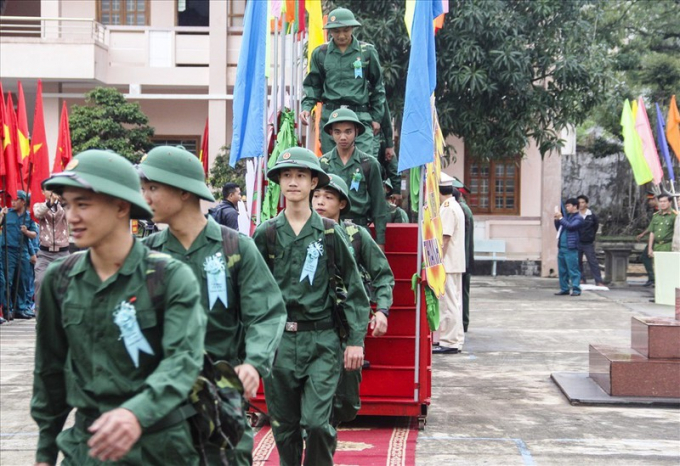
<point>216,271</point>
<point>356,179</point>
<point>125,317</point>
<point>314,251</point>
<point>358,70</point>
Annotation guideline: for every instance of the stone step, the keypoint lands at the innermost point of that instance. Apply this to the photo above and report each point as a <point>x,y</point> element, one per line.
<point>625,372</point>
<point>656,337</point>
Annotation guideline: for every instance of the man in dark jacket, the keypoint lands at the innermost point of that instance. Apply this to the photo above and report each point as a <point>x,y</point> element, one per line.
<point>226,213</point>
<point>586,245</point>
<point>568,240</point>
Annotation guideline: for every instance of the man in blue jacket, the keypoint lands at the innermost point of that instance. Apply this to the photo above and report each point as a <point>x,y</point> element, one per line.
<point>567,241</point>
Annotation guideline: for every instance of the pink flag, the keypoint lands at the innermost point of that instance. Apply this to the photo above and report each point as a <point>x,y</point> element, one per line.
<point>644,130</point>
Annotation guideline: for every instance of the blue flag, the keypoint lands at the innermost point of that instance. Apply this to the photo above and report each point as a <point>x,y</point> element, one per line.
<point>249,89</point>
<point>663,145</point>
<point>417,128</point>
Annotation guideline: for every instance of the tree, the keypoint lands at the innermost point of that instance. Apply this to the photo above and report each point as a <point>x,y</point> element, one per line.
<point>221,173</point>
<point>507,70</point>
<point>108,121</point>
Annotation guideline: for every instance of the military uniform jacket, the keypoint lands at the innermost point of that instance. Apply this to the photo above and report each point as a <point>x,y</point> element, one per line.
<point>469,236</point>
<point>81,360</point>
<point>368,200</point>
<point>249,329</point>
<point>314,302</point>
<point>334,79</point>
<point>662,227</point>
<point>13,234</point>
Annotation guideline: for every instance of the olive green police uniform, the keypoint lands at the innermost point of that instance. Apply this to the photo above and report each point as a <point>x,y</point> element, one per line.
<point>362,175</point>
<point>352,79</point>
<point>662,226</point>
<point>377,274</point>
<point>81,359</point>
<point>248,329</point>
<point>300,390</point>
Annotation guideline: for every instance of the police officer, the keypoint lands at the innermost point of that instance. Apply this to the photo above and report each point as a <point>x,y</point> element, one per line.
<point>360,171</point>
<point>661,227</point>
<point>378,279</point>
<point>245,309</point>
<point>469,248</point>
<point>120,332</point>
<point>345,73</point>
<point>305,252</point>
<point>20,230</point>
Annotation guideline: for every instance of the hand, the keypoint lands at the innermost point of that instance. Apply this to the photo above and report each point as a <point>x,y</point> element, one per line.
<point>249,378</point>
<point>378,324</point>
<point>650,252</point>
<point>4,211</point>
<point>376,127</point>
<point>33,259</point>
<point>24,229</point>
<point>354,358</point>
<point>640,236</point>
<point>304,116</point>
<point>389,153</point>
<point>115,433</point>
<point>558,216</point>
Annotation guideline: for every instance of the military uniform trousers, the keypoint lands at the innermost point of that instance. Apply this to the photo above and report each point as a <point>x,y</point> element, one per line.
<point>451,333</point>
<point>347,402</point>
<point>364,142</point>
<point>24,301</point>
<point>299,394</point>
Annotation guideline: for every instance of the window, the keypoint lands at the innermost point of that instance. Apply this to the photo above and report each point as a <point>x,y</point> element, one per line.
<point>237,11</point>
<point>190,143</point>
<point>494,186</point>
<point>193,12</point>
<point>124,12</point>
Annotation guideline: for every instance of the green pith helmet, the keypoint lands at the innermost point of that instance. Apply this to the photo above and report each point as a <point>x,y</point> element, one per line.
<point>456,183</point>
<point>103,172</point>
<point>298,157</point>
<point>340,186</point>
<point>343,115</point>
<point>388,183</point>
<point>341,18</point>
<point>175,167</point>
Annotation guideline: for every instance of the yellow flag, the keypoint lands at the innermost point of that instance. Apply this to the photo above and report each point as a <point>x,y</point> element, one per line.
<point>315,28</point>
<point>408,16</point>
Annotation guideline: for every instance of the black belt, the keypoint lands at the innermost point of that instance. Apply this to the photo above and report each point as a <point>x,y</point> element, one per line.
<point>308,326</point>
<point>45,248</point>
<point>84,421</point>
<point>355,108</point>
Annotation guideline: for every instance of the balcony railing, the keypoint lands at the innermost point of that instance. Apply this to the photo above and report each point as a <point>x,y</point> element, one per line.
<point>51,28</point>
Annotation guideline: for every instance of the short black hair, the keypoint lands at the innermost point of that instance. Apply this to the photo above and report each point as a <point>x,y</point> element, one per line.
<point>663,195</point>
<point>572,200</point>
<point>228,189</point>
<point>446,190</point>
<point>455,193</point>
<point>584,197</point>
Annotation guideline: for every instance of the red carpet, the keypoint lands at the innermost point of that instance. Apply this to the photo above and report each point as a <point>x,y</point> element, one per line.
<point>383,441</point>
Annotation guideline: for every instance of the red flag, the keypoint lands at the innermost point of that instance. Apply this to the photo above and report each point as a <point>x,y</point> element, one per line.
<point>3,171</point>
<point>64,152</point>
<point>203,156</point>
<point>24,145</point>
<point>40,157</point>
<point>300,16</point>
<point>10,155</point>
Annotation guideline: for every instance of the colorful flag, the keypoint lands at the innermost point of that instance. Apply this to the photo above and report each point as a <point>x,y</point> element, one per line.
<point>315,29</point>
<point>64,152</point>
<point>300,15</point>
<point>24,147</point>
<point>250,86</point>
<point>3,170</point>
<point>204,156</point>
<point>663,144</point>
<point>40,157</point>
<point>649,151</point>
<point>10,142</point>
<point>632,146</point>
<point>417,129</point>
<point>673,127</point>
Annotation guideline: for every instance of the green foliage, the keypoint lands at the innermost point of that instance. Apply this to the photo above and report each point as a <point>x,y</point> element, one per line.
<point>108,121</point>
<point>222,173</point>
<point>507,70</point>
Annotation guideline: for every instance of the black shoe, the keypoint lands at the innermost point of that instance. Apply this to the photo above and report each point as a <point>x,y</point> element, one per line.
<point>2,320</point>
<point>576,293</point>
<point>562,293</point>
<point>444,350</point>
<point>649,283</point>
<point>21,315</point>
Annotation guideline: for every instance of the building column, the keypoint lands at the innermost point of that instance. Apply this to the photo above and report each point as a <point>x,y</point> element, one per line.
<point>218,80</point>
<point>551,196</point>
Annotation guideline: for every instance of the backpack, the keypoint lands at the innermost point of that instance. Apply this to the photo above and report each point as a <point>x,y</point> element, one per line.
<point>355,240</point>
<point>338,314</point>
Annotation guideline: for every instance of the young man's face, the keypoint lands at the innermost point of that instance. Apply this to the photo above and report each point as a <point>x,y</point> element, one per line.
<point>327,203</point>
<point>235,196</point>
<point>652,202</point>
<point>165,201</point>
<point>341,36</point>
<point>582,205</point>
<point>344,134</point>
<point>18,204</point>
<point>664,203</point>
<point>571,208</point>
<point>297,183</point>
<point>93,217</point>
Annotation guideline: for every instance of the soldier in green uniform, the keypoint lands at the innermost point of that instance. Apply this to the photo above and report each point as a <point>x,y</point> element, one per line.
<point>469,249</point>
<point>395,214</point>
<point>120,332</point>
<point>243,304</point>
<point>360,171</point>
<point>661,227</point>
<point>378,280</point>
<point>345,73</point>
<point>305,253</point>
<point>389,163</point>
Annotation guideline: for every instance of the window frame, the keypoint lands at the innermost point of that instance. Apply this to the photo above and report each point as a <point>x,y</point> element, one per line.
<point>165,138</point>
<point>123,3</point>
<point>492,209</point>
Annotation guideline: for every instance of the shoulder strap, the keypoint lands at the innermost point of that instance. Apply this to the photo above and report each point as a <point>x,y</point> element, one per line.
<point>366,167</point>
<point>323,48</point>
<point>354,238</point>
<point>155,278</point>
<point>270,236</point>
<point>230,247</point>
<point>329,246</point>
<point>63,278</point>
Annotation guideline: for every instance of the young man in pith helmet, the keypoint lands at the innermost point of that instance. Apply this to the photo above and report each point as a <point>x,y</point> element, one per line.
<point>243,304</point>
<point>346,73</point>
<point>360,171</point>
<point>329,202</point>
<point>309,258</point>
<point>120,333</point>
<point>395,214</point>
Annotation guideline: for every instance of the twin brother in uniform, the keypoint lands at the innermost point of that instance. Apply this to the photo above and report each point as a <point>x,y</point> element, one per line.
<point>120,333</point>
<point>238,294</point>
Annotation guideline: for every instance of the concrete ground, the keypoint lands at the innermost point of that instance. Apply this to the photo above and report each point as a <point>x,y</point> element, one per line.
<point>494,404</point>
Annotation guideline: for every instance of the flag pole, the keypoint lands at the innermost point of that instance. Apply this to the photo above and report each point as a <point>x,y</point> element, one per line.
<point>275,81</point>
<point>22,240</point>
<point>419,284</point>
<point>6,309</point>
<point>283,67</point>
